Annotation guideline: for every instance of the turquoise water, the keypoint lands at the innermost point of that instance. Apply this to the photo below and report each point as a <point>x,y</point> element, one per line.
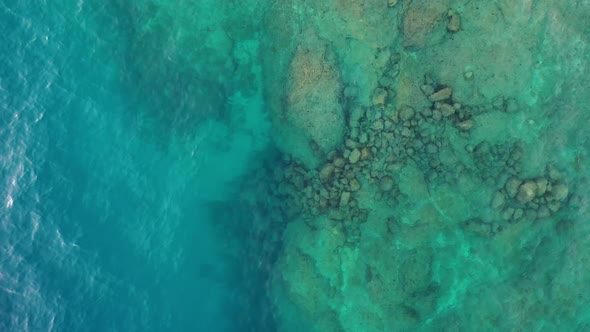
<point>106,188</point>
<point>338,165</point>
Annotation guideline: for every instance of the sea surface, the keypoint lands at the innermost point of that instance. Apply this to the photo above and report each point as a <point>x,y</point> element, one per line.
<point>104,217</point>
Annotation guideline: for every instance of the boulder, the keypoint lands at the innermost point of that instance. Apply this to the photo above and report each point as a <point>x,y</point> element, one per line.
<point>559,192</point>
<point>526,192</point>
<point>354,156</point>
<point>386,183</point>
<point>440,95</point>
<point>406,113</point>
<point>326,172</point>
<point>512,186</point>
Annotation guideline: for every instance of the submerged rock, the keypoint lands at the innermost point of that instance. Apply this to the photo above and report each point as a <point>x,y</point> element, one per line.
<point>559,192</point>
<point>311,122</point>
<point>541,186</point>
<point>447,110</point>
<point>512,186</point>
<point>554,206</point>
<point>465,125</point>
<point>344,198</point>
<point>406,113</point>
<point>498,200</point>
<point>526,192</point>
<point>355,185</point>
<point>354,156</point>
<point>454,24</point>
<point>478,227</point>
<point>365,153</point>
<point>339,162</point>
<point>379,96</point>
<point>386,183</point>
<point>440,95</point>
<point>543,212</point>
<point>518,214</point>
<point>553,173</point>
<point>326,172</point>
<point>427,89</point>
<point>419,21</point>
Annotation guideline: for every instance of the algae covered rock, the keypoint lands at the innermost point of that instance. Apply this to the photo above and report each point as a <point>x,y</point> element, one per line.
<point>526,192</point>
<point>310,123</point>
<point>420,19</point>
<point>354,156</point>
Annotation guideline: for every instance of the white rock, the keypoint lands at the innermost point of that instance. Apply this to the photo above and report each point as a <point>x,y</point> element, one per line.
<point>526,192</point>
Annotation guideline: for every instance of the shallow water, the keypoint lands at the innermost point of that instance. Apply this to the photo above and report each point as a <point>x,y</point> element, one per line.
<point>255,166</point>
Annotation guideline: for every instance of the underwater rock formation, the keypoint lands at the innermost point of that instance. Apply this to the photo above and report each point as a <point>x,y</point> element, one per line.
<point>439,176</point>
<point>312,119</point>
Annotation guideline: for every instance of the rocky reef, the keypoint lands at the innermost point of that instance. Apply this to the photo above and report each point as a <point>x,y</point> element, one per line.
<point>311,120</point>
<point>418,184</point>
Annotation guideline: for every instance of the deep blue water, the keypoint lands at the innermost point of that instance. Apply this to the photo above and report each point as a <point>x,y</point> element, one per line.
<point>106,221</point>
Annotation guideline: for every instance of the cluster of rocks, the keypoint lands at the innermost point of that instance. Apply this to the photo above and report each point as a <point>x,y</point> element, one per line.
<point>386,90</point>
<point>380,139</point>
<point>285,190</point>
<point>371,133</point>
<point>521,199</point>
<point>495,163</point>
<point>298,190</point>
<point>533,198</point>
<point>444,106</point>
